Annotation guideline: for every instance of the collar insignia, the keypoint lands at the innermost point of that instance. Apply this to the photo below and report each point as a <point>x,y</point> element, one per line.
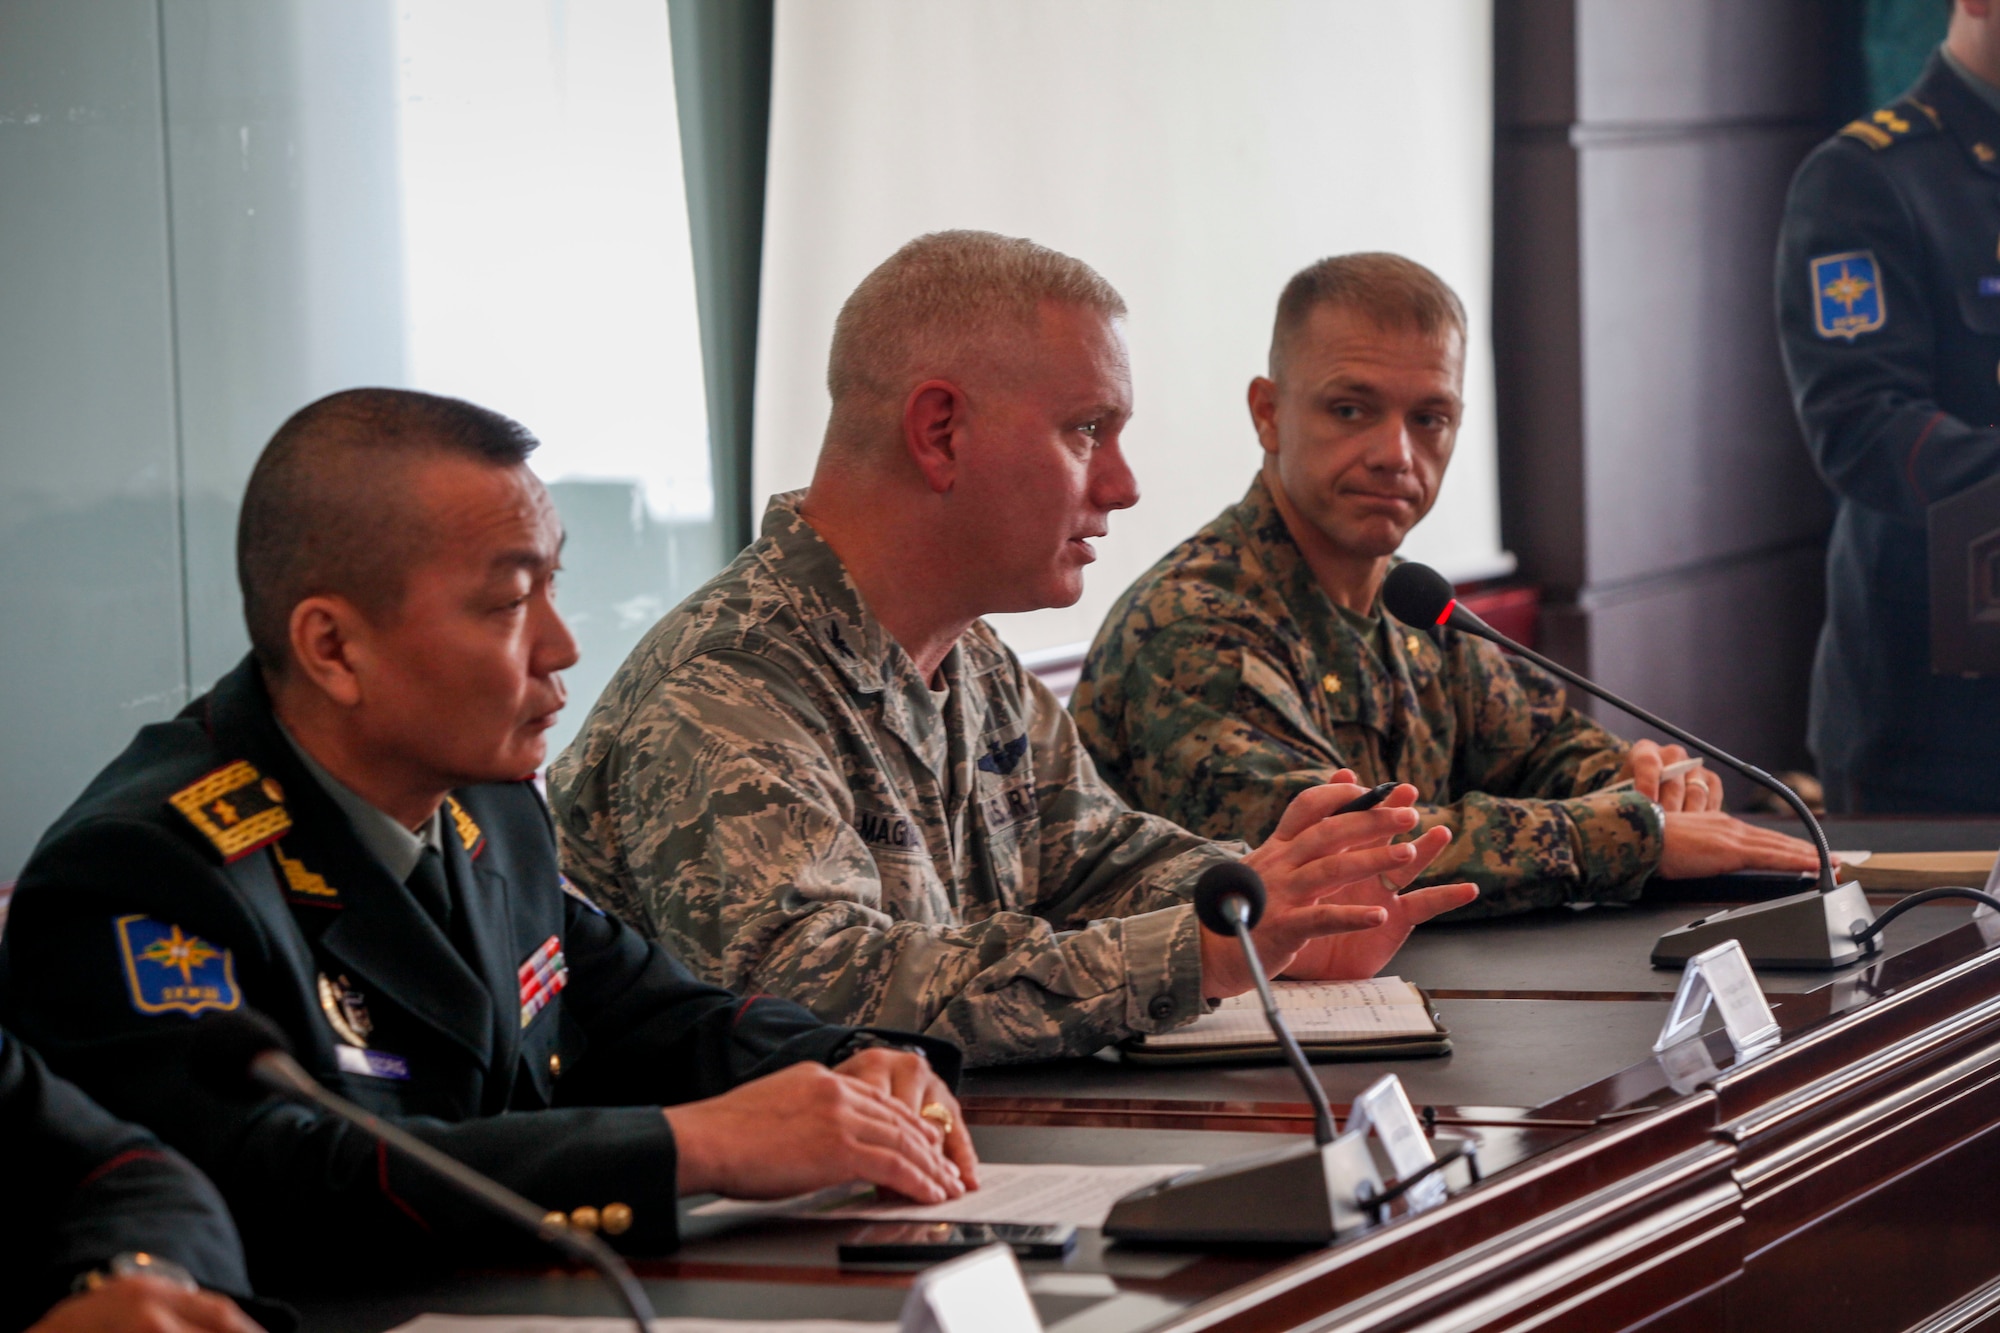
<point>301,883</point>
<point>169,970</point>
<point>235,808</point>
<point>468,831</point>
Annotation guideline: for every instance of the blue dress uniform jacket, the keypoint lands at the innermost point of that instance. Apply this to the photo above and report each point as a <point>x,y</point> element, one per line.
<point>1889,309</point>
<point>205,869</point>
<point>81,1186</point>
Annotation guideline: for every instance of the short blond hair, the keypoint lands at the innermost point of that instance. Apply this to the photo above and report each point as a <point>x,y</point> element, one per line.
<point>1394,292</point>
<point>939,300</point>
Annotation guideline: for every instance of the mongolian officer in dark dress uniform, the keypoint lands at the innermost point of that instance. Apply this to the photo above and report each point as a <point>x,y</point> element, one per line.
<point>88,1200</point>
<point>340,836</point>
<point>1889,309</point>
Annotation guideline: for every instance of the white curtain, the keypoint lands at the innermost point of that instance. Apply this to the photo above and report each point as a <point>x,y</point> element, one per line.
<point>1196,152</point>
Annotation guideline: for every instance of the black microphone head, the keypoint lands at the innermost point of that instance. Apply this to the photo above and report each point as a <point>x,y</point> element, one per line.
<point>224,1046</point>
<point>1418,595</point>
<point>1229,879</point>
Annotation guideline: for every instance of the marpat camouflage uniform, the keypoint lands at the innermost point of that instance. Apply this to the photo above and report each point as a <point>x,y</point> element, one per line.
<point>768,787</point>
<point>1225,682</point>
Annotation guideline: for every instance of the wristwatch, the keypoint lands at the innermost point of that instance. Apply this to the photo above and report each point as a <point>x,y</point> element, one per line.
<point>136,1263</point>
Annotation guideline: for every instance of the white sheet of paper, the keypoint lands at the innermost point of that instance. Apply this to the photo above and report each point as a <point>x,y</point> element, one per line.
<point>1039,1194</point>
<point>1315,1011</point>
<point>461,1323</point>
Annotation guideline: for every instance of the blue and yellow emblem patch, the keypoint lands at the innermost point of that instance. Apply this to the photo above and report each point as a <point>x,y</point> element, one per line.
<point>1847,295</point>
<point>169,970</point>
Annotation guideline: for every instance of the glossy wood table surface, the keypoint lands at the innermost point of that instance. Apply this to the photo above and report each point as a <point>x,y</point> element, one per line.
<point>1850,1180</point>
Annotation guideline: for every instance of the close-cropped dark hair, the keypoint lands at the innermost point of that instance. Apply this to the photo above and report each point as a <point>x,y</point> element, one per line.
<point>1392,291</point>
<point>327,510</point>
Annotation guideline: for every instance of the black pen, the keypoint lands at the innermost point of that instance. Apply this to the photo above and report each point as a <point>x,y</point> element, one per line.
<point>1369,799</point>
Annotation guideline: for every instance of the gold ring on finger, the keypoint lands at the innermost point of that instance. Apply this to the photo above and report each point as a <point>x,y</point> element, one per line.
<point>938,1114</point>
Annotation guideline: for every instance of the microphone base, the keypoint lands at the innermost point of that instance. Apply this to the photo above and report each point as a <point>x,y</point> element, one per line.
<point>1304,1194</point>
<point>1804,931</point>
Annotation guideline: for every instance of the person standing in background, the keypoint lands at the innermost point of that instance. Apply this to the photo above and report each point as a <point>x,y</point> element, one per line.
<point>1888,291</point>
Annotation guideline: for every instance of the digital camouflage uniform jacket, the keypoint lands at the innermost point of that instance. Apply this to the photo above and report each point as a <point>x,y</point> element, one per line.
<point>1225,682</point>
<point>769,787</point>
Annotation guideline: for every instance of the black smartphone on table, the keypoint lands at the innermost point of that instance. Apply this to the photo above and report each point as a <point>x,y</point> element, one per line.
<point>925,1242</point>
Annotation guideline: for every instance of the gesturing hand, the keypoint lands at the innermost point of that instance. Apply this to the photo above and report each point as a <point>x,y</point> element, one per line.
<point>145,1305</point>
<point>804,1128</point>
<point>1309,863</point>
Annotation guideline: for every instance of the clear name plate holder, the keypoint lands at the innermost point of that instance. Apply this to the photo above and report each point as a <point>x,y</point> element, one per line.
<point>1384,1109</point>
<point>981,1292</point>
<point>1720,977</point>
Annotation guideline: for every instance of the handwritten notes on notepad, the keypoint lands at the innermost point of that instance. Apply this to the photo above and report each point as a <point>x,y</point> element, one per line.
<point>1382,1015</point>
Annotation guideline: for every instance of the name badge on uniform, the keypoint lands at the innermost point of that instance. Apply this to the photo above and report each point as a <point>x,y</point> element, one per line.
<point>171,971</point>
<point>371,1064</point>
<point>1847,295</point>
<point>543,977</point>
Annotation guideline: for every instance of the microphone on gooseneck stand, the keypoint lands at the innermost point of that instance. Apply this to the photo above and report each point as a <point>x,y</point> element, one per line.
<point>1826,927</point>
<point>1305,1194</point>
<point>243,1056</point>
<point>1229,900</point>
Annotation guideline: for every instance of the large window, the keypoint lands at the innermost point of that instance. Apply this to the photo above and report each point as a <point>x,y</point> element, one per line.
<point>1197,153</point>
<point>548,274</point>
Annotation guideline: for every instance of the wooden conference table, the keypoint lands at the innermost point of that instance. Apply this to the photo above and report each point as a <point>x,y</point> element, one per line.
<point>1849,1180</point>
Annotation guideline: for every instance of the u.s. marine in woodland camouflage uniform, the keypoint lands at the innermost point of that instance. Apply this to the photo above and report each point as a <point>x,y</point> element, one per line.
<point>1226,681</point>
<point>822,776</point>
<point>1256,658</point>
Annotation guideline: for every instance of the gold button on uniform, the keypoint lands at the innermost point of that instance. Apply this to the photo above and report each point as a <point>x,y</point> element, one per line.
<point>584,1218</point>
<point>555,1218</point>
<point>616,1219</point>
<point>1330,683</point>
<point>555,1065</point>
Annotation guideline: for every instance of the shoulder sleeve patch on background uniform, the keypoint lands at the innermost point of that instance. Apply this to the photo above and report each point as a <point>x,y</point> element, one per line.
<point>1847,295</point>
<point>468,830</point>
<point>171,971</point>
<point>235,808</point>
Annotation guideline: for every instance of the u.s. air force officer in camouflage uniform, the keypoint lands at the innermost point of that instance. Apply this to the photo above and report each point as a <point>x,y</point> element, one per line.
<point>341,835</point>
<point>823,776</point>
<point>1889,308</point>
<point>1255,659</point>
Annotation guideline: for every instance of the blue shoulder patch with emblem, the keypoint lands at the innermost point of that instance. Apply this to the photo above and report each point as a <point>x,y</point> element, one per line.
<point>171,971</point>
<point>1847,295</point>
